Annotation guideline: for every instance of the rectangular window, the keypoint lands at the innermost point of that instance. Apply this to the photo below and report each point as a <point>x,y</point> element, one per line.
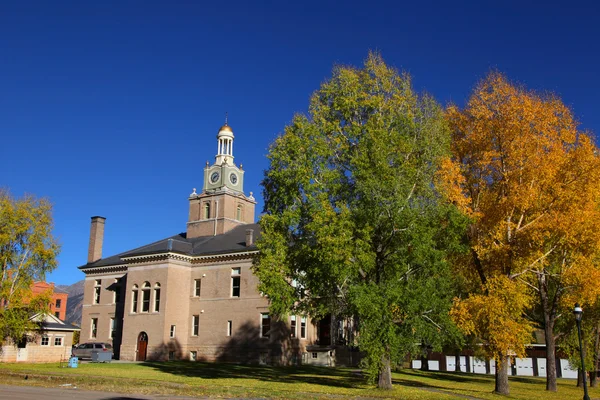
<point>171,355</point>
<point>45,341</point>
<point>113,328</point>
<point>265,325</point>
<point>303,328</point>
<point>315,355</point>
<point>193,355</point>
<point>146,300</point>
<point>197,287</point>
<point>58,341</point>
<point>97,287</point>
<point>172,334</point>
<point>229,328</point>
<point>293,326</point>
<point>134,301</point>
<point>195,324</point>
<point>156,299</point>
<point>117,292</point>
<point>94,330</point>
<point>58,303</point>
<point>235,282</point>
<point>57,314</point>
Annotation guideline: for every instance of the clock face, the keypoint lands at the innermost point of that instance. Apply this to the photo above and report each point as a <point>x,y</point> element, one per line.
<point>233,178</point>
<point>214,177</point>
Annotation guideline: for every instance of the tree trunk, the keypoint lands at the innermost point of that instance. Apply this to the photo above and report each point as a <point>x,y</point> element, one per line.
<point>385,373</point>
<point>502,376</point>
<point>424,363</point>
<point>549,318</point>
<point>550,355</point>
<point>594,371</point>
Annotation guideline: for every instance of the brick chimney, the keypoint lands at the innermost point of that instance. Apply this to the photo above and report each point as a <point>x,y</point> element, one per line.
<point>249,237</point>
<point>96,239</point>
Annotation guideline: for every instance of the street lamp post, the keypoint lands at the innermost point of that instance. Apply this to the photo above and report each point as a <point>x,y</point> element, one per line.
<point>578,314</point>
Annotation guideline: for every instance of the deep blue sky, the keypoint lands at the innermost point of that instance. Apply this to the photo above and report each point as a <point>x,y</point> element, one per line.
<point>112,108</point>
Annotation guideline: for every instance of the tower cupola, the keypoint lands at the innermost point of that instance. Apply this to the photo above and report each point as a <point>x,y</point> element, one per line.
<point>225,145</point>
<point>222,204</point>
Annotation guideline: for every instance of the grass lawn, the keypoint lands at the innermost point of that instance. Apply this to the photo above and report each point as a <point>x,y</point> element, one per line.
<point>229,380</point>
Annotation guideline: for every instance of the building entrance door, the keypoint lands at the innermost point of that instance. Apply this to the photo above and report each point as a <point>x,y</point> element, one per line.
<point>22,349</point>
<point>324,331</point>
<point>142,346</point>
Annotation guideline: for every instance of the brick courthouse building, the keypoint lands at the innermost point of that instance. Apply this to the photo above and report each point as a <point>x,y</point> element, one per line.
<point>193,295</point>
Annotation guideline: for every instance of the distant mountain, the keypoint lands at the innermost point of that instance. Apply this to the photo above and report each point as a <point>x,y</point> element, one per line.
<point>74,302</point>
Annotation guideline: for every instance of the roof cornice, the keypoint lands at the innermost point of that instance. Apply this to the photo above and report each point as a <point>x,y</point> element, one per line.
<point>191,259</point>
<point>104,269</point>
<point>200,259</point>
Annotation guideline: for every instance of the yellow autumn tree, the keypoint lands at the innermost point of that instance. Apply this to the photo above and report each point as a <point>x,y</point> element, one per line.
<point>495,315</point>
<point>529,180</point>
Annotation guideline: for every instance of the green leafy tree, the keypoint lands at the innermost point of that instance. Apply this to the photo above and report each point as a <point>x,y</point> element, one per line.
<point>353,225</point>
<point>27,252</point>
<point>76,337</point>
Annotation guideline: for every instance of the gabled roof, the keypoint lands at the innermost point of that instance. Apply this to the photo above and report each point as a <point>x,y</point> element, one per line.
<point>230,242</point>
<point>51,323</point>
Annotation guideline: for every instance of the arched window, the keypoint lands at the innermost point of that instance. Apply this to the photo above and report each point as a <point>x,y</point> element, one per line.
<point>146,297</point>
<point>134,299</point>
<point>206,210</point>
<point>238,213</point>
<point>157,297</point>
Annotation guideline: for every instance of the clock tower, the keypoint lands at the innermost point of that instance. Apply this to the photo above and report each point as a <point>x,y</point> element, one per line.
<point>222,204</point>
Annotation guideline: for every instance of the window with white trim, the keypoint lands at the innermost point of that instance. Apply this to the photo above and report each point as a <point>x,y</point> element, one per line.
<point>172,333</point>
<point>58,341</point>
<point>229,327</point>
<point>134,299</point>
<point>117,291</point>
<point>235,281</point>
<point>303,328</point>
<point>45,341</point>
<point>157,297</point>
<point>146,297</point>
<point>195,324</point>
<point>197,287</point>
<point>113,328</point>
<point>97,288</point>
<point>94,328</point>
<point>293,326</point>
<point>265,325</point>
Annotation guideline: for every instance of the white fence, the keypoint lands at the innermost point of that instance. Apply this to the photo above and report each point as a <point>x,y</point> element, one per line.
<point>521,366</point>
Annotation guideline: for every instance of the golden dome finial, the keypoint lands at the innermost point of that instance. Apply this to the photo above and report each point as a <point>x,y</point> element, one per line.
<point>226,128</point>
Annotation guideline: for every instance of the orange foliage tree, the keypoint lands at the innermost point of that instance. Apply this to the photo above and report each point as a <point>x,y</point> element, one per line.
<point>495,316</point>
<point>529,180</point>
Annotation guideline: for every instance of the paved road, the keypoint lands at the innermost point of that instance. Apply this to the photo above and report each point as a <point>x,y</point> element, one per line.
<point>35,393</point>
